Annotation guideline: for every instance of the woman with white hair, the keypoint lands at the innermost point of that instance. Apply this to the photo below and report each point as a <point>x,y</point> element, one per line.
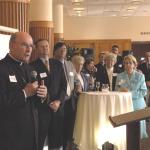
<point>107,74</point>
<point>81,84</point>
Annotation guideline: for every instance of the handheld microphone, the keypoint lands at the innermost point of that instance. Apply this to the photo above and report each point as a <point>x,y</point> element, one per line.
<point>42,99</point>
<point>42,82</point>
<point>33,76</point>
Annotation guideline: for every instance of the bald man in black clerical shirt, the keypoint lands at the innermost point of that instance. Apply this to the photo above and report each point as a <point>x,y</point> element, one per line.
<point>19,93</point>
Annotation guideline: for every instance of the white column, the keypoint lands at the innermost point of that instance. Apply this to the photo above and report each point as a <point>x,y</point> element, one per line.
<point>58,21</point>
<point>41,23</point>
<point>41,10</point>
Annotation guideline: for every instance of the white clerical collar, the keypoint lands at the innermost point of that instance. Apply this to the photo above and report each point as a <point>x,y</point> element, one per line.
<point>20,62</point>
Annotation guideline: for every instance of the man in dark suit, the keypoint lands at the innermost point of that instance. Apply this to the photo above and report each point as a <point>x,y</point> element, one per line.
<point>101,60</point>
<point>119,62</point>
<point>50,116</point>
<point>18,113</point>
<point>145,68</point>
<point>60,50</point>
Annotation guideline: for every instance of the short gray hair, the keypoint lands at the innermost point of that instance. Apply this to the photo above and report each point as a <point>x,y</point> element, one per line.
<point>12,38</point>
<point>111,56</point>
<point>77,59</point>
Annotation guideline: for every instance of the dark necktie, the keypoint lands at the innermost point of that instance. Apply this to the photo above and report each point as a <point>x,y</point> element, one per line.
<point>47,65</point>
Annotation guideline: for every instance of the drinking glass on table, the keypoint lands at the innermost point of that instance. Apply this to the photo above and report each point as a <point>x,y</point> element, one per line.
<point>97,85</point>
<point>105,87</point>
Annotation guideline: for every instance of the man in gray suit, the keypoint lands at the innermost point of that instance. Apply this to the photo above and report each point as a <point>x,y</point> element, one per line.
<point>60,51</point>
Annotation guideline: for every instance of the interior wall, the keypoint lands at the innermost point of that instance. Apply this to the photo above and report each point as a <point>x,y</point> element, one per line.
<point>99,46</point>
<point>139,49</point>
<point>134,28</point>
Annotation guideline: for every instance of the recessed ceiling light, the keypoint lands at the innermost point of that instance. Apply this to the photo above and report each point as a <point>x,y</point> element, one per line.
<point>76,3</point>
<point>111,11</point>
<point>125,16</point>
<point>131,8</point>
<point>78,8</point>
<point>79,14</point>
<point>136,1</point>
<point>113,15</point>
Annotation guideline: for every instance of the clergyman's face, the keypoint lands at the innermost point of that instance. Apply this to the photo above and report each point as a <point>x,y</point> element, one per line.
<point>21,47</point>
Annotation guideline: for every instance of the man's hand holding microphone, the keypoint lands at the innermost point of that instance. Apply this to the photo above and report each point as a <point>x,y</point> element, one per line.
<point>34,88</point>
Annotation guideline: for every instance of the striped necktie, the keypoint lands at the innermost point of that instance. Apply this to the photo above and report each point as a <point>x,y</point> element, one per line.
<point>67,79</point>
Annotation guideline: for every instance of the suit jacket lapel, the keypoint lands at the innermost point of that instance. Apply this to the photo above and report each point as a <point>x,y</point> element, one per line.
<point>66,70</point>
<point>85,82</point>
<point>41,63</point>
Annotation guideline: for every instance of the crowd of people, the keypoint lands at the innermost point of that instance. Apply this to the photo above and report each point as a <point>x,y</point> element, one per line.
<point>38,100</point>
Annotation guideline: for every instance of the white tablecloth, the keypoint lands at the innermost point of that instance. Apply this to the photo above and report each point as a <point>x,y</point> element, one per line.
<point>92,126</point>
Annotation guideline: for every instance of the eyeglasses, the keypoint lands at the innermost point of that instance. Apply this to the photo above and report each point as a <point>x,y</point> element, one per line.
<point>25,45</point>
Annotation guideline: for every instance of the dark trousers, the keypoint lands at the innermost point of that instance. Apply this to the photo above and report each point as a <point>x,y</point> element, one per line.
<point>55,131</point>
<point>69,121</point>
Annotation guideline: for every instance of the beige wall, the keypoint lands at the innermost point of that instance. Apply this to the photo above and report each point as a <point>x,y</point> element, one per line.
<point>41,10</point>
<point>107,28</point>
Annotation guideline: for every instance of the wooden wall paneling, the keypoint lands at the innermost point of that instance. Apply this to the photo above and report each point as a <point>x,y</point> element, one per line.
<point>2,21</point>
<point>84,44</point>
<point>14,14</point>
<point>104,45</point>
<point>42,30</point>
<point>100,45</point>
<point>97,51</point>
<point>58,37</point>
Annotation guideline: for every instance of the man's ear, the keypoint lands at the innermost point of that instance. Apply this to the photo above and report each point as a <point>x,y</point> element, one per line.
<point>11,45</point>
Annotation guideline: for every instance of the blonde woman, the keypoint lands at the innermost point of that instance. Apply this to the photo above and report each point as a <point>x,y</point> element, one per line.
<point>133,81</point>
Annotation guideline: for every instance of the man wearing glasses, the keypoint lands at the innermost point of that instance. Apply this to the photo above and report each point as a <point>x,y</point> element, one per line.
<point>18,113</point>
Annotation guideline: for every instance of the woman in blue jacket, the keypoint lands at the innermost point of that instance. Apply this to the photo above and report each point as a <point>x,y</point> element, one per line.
<point>133,81</point>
